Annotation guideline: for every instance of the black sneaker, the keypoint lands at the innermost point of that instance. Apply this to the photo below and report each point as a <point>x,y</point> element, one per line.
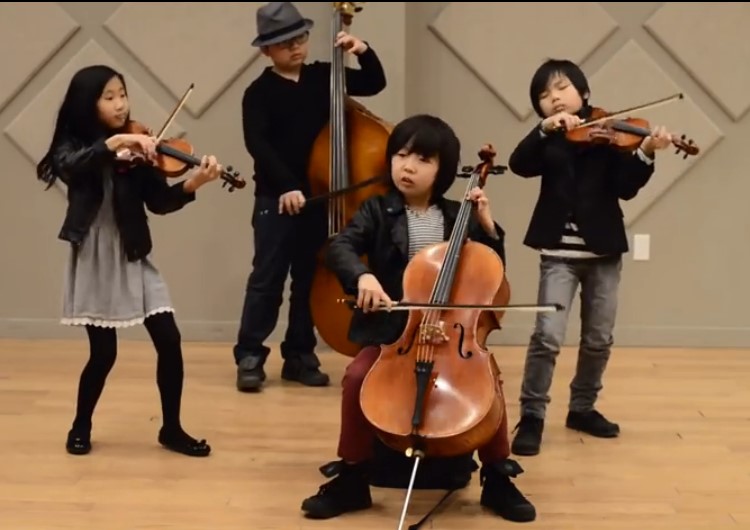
<point>529,437</point>
<point>304,369</point>
<point>593,423</point>
<point>500,495</point>
<point>250,374</point>
<point>348,492</point>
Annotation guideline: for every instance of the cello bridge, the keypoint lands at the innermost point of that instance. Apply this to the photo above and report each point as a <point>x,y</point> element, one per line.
<point>433,333</point>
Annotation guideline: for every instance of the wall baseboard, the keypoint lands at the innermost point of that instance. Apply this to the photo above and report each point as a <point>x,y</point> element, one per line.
<point>512,335</point>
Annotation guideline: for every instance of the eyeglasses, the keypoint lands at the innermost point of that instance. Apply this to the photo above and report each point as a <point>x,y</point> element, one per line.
<point>299,40</point>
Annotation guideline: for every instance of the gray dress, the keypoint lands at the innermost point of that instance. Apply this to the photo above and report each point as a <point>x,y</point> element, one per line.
<point>102,288</point>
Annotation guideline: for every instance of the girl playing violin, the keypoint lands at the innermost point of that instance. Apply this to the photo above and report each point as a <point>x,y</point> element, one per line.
<point>424,155</point>
<point>110,280</point>
<point>578,228</point>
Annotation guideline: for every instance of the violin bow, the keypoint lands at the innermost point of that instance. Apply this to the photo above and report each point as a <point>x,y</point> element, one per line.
<point>619,113</point>
<point>406,306</point>
<point>173,115</point>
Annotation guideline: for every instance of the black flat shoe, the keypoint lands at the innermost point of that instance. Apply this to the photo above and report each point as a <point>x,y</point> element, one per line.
<point>78,443</point>
<point>180,442</point>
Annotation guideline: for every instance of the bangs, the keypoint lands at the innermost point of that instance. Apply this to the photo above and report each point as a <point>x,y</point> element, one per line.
<point>419,138</point>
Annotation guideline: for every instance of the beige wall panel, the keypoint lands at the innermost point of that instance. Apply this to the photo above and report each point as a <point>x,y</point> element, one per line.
<point>468,63</point>
<point>713,48</point>
<point>486,36</point>
<point>22,56</point>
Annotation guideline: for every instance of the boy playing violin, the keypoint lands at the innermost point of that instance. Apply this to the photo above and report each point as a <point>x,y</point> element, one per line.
<point>578,228</point>
<point>390,229</point>
<point>283,111</point>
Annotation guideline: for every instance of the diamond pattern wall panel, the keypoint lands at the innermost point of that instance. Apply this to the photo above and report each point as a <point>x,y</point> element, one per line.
<point>52,28</point>
<point>712,45</point>
<point>486,37</point>
<point>31,130</point>
<point>630,78</point>
<point>167,38</point>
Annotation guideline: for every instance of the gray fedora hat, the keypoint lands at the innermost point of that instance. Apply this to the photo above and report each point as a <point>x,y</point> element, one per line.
<point>279,21</point>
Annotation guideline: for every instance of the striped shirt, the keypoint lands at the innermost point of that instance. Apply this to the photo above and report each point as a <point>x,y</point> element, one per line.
<point>425,228</point>
<point>571,245</point>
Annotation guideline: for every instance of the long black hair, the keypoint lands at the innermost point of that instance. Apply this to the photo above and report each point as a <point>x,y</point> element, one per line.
<point>78,119</point>
<point>427,136</point>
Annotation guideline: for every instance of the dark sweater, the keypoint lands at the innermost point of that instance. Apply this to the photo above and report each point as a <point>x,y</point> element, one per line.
<point>282,118</point>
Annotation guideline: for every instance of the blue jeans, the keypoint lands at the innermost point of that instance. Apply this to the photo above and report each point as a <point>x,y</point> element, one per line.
<point>599,279</point>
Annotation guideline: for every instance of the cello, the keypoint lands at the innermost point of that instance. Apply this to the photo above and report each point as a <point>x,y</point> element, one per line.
<point>347,159</point>
<point>436,391</point>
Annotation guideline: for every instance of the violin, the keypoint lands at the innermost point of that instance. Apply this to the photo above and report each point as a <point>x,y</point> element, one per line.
<point>626,134</point>
<point>174,157</point>
<point>436,391</point>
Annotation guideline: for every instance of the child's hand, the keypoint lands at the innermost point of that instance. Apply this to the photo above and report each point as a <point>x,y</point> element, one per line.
<point>371,294</point>
<point>130,146</point>
<point>350,43</point>
<point>561,120</point>
<point>482,212</point>
<point>291,202</point>
<point>209,170</point>
<point>659,139</point>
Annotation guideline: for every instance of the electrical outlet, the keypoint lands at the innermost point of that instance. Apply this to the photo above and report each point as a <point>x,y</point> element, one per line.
<point>641,247</point>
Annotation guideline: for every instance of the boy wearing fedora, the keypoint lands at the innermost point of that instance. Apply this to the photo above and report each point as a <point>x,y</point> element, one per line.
<point>283,111</point>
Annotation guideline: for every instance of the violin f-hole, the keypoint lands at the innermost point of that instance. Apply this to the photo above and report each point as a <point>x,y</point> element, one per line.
<point>464,355</point>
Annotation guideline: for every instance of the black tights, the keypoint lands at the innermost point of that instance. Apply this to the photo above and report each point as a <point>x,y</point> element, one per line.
<point>103,352</point>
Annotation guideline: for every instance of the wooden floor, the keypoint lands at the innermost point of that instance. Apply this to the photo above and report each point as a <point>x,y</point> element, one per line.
<point>682,462</point>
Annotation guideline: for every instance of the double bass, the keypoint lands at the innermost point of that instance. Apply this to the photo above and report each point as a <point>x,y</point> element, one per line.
<point>346,167</point>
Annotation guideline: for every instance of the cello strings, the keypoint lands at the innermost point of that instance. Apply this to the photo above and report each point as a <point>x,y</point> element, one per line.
<point>441,292</point>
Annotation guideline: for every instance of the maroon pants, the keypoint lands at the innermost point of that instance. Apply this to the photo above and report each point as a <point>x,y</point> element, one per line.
<point>357,436</point>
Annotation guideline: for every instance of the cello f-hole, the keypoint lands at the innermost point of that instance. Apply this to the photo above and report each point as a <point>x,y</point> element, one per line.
<point>461,336</point>
<point>401,350</point>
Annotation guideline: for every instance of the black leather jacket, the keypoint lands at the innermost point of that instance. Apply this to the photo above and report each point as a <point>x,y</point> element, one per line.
<point>379,231</point>
<point>81,169</point>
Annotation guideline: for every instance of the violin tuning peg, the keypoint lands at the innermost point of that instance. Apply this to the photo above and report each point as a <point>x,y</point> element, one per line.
<point>230,169</point>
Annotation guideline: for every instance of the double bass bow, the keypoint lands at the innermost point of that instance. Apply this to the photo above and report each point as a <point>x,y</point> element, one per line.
<point>436,391</point>
<point>347,158</point>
